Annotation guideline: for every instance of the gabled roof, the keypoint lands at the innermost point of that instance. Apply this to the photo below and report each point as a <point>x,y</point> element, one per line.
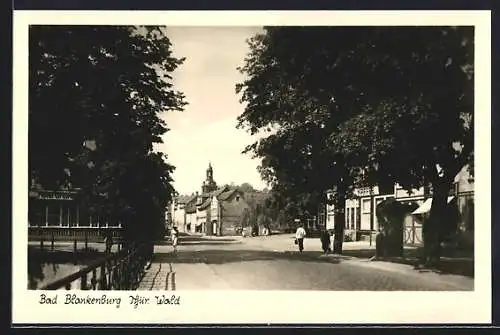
<point>185,199</point>
<point>191,199</point>
<point>226,195</point>
<point>181,199</point>
<point>215,193</point>
<point>191,208</point>
<point>218,192</point>
<point>205,204</point>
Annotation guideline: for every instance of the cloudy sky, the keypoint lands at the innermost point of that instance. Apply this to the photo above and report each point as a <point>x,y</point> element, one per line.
<point>205,132</point>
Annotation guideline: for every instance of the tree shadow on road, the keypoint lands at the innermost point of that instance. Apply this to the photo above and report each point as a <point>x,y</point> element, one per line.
<point>455,264</point>
<point>198,243</point>
<point>207,243</point>
<point>229,256</point>
<point>200,240</point>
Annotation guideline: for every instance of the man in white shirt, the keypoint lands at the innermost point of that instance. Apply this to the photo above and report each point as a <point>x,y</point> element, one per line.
<point>299,237</point>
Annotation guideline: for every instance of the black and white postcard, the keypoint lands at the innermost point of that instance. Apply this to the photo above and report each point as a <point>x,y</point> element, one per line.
<point>251,167</point>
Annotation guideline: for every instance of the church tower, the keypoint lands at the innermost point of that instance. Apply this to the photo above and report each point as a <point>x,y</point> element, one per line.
<point>210,172</point>
<point>209,184</point>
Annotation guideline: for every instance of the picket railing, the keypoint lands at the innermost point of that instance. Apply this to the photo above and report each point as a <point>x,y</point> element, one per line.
<point>72,232</point>
<point>121,271</point>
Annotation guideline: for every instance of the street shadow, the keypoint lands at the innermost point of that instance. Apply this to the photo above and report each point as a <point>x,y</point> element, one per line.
<point>198,240</point>
<point>360,253</point>
<point>206,243</point>
<point>230,256</point>
<point>451,263</point>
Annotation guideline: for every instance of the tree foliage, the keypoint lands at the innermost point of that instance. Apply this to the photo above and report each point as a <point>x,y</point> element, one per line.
<point>420,131</point>
<point>353,106</point>
<point>96,98</point>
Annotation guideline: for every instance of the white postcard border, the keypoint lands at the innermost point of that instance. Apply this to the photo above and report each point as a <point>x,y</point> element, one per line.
<point>260,306</point>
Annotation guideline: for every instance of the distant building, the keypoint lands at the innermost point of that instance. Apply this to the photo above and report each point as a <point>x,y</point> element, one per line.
<point>214,211</point>
<point>178,209</point>
<point>62,208</point>
<point>54,208</point>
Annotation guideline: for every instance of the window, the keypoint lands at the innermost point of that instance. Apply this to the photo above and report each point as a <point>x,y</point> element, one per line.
<point>346,218</point>
<point>237,198</point>
<point>366,206</point>
<point>352,218</point>
<point>358,219</point>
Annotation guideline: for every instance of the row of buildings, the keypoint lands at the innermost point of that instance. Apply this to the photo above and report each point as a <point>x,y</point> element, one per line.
<point>219,210</point>
<point>213,211</point>
<point>361,220</point>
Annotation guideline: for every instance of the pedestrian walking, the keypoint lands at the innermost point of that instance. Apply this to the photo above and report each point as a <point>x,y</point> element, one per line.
<point>325,241</point>
<point>174,235</point>
<point>299,237</point>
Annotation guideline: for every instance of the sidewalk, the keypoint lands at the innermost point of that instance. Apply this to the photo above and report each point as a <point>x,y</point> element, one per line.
<point>218,267</point>
<point>362,251</point>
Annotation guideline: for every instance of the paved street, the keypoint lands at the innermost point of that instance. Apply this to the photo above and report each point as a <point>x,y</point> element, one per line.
<point>273,263</point>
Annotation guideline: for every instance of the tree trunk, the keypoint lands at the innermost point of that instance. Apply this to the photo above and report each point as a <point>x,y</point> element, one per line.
<point>432,229</point>
<point>339,210</point>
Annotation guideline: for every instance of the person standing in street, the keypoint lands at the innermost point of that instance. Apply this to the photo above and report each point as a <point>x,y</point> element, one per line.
<point>108,240</point>
<point>174,235</point>
<point>325,241</point>
<point>299,237</point>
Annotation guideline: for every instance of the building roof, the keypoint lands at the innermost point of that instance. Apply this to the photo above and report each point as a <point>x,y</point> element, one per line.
<point>205,204</point>
<point>191,208</point>
<point>226,195</point>
<point>181,199</point>
<point>216,193</point>
<point>221,194</point>
<point>185,199</point>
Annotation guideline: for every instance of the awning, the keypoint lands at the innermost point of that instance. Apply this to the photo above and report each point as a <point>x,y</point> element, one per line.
<point>426,206</point>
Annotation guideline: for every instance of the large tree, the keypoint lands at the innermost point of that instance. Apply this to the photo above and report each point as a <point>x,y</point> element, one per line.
<point>352,106</point>
<point>418,127</point>
<point>291,89</point>
<point>96,98</point>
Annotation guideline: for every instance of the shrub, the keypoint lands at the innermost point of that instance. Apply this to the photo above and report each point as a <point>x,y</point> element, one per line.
<point>347,238</point>
<point>390,215</point>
